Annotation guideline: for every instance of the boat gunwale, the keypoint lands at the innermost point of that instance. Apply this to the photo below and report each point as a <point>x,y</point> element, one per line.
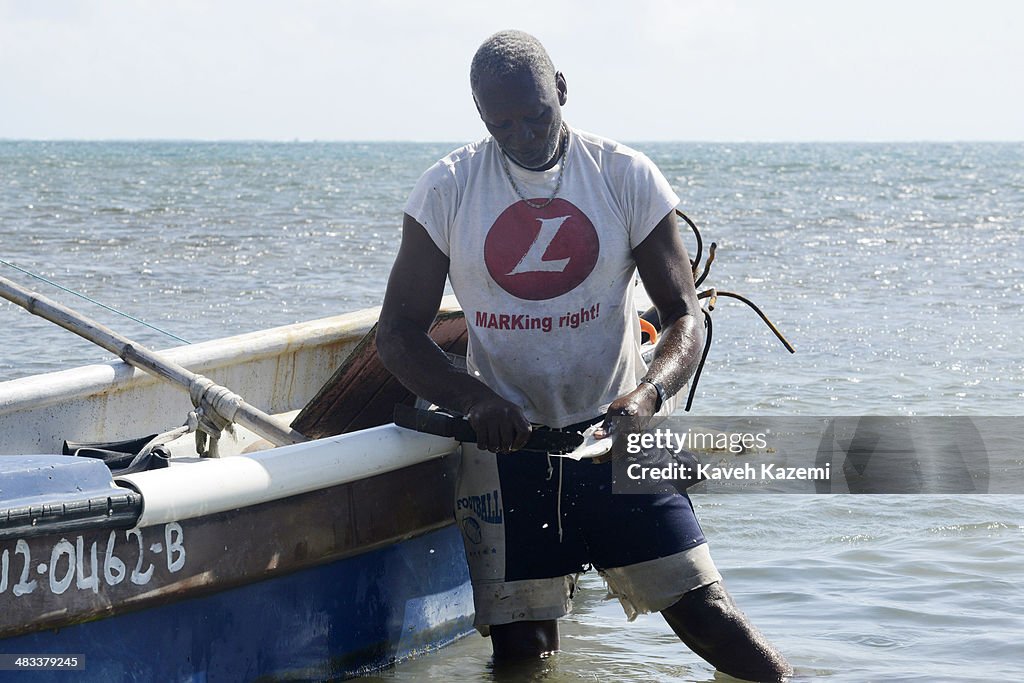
<point>38,391</point>
<point>187,490</point>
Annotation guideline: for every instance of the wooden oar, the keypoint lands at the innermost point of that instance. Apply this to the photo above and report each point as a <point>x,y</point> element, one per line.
<point>229,405</point>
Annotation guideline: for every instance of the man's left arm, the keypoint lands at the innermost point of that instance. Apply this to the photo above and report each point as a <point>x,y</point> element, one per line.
<point>664,265</point>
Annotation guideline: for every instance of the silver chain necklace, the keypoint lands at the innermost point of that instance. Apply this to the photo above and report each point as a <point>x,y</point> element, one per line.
<point>558,183</point>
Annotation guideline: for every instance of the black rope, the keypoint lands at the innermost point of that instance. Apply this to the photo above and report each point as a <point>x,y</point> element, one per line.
<point>769,323</point>
<point>700,242</point>
<point>707,266</point>
<point>703,357</point>
<point>713,294</point>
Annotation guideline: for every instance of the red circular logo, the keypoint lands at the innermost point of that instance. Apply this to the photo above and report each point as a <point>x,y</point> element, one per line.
<point>539,254</point>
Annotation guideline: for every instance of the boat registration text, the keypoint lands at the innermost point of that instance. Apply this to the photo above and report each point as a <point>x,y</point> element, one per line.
<point>128,555</point>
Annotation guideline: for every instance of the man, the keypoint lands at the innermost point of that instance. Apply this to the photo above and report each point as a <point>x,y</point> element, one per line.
<point>540,229</point>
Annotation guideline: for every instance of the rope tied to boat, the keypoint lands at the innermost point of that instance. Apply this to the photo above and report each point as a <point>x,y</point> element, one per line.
<point>215,410</point>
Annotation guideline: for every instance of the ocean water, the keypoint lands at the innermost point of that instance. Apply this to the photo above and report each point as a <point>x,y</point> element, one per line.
<point>895,269</point>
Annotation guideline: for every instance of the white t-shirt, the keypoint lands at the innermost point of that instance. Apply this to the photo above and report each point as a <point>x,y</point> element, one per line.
<point>547,293</point>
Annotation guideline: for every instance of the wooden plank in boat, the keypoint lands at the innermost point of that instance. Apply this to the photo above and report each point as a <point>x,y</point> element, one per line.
<point>362,393</point>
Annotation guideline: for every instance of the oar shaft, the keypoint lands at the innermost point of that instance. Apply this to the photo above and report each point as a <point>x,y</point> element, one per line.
<point>139,356</point>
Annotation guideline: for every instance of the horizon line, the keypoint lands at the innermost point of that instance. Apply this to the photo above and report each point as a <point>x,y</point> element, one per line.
<point>456,142</point>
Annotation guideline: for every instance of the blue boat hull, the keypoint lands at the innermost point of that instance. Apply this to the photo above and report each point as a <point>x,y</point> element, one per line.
<point>325,622</point>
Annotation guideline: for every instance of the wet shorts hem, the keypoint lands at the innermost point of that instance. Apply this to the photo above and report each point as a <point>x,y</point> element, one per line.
<point>505,602</point>
<point>657,584</point>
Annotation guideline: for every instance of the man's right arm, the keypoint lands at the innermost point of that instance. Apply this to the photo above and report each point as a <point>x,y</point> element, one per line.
<point>410,304</point>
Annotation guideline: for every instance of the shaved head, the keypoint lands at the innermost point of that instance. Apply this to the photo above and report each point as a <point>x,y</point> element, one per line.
<point>508,53</point>
<point>519,96</point>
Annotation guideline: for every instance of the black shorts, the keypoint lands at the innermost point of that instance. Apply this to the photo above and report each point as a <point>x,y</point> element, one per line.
<point>531,523</point>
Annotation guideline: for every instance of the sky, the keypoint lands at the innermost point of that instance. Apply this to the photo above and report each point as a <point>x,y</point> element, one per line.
<point>695,70</point>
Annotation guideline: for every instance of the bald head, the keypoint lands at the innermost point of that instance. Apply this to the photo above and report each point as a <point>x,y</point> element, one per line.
<point>509,53</point>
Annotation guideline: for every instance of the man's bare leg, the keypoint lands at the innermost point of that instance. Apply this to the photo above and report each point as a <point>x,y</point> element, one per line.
<point>711,625</point>
<point>523,640</point>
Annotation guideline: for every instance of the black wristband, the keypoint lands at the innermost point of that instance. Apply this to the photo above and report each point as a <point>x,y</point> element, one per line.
<point>661,393</point>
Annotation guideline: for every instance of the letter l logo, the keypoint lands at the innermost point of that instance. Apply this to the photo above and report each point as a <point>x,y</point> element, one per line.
<point>533,260</point>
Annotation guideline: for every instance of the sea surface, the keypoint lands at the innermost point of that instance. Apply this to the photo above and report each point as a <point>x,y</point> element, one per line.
<point>897,271</point>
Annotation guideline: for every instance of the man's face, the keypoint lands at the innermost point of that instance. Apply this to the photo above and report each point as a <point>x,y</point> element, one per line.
<point>524,116</point>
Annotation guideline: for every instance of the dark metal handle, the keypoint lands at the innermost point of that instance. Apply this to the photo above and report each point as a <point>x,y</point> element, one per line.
<point>436,422</point>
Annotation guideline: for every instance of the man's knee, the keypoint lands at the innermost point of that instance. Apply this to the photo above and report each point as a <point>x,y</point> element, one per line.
<point>524,640</point>
<point>707,613</point>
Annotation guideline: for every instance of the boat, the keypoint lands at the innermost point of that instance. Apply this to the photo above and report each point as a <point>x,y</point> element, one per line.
<point>201,538</point>
<point>320,559</point>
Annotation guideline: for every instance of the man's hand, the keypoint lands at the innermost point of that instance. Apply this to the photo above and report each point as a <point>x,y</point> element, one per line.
<point>500,426</point>
<point>627,414</point>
